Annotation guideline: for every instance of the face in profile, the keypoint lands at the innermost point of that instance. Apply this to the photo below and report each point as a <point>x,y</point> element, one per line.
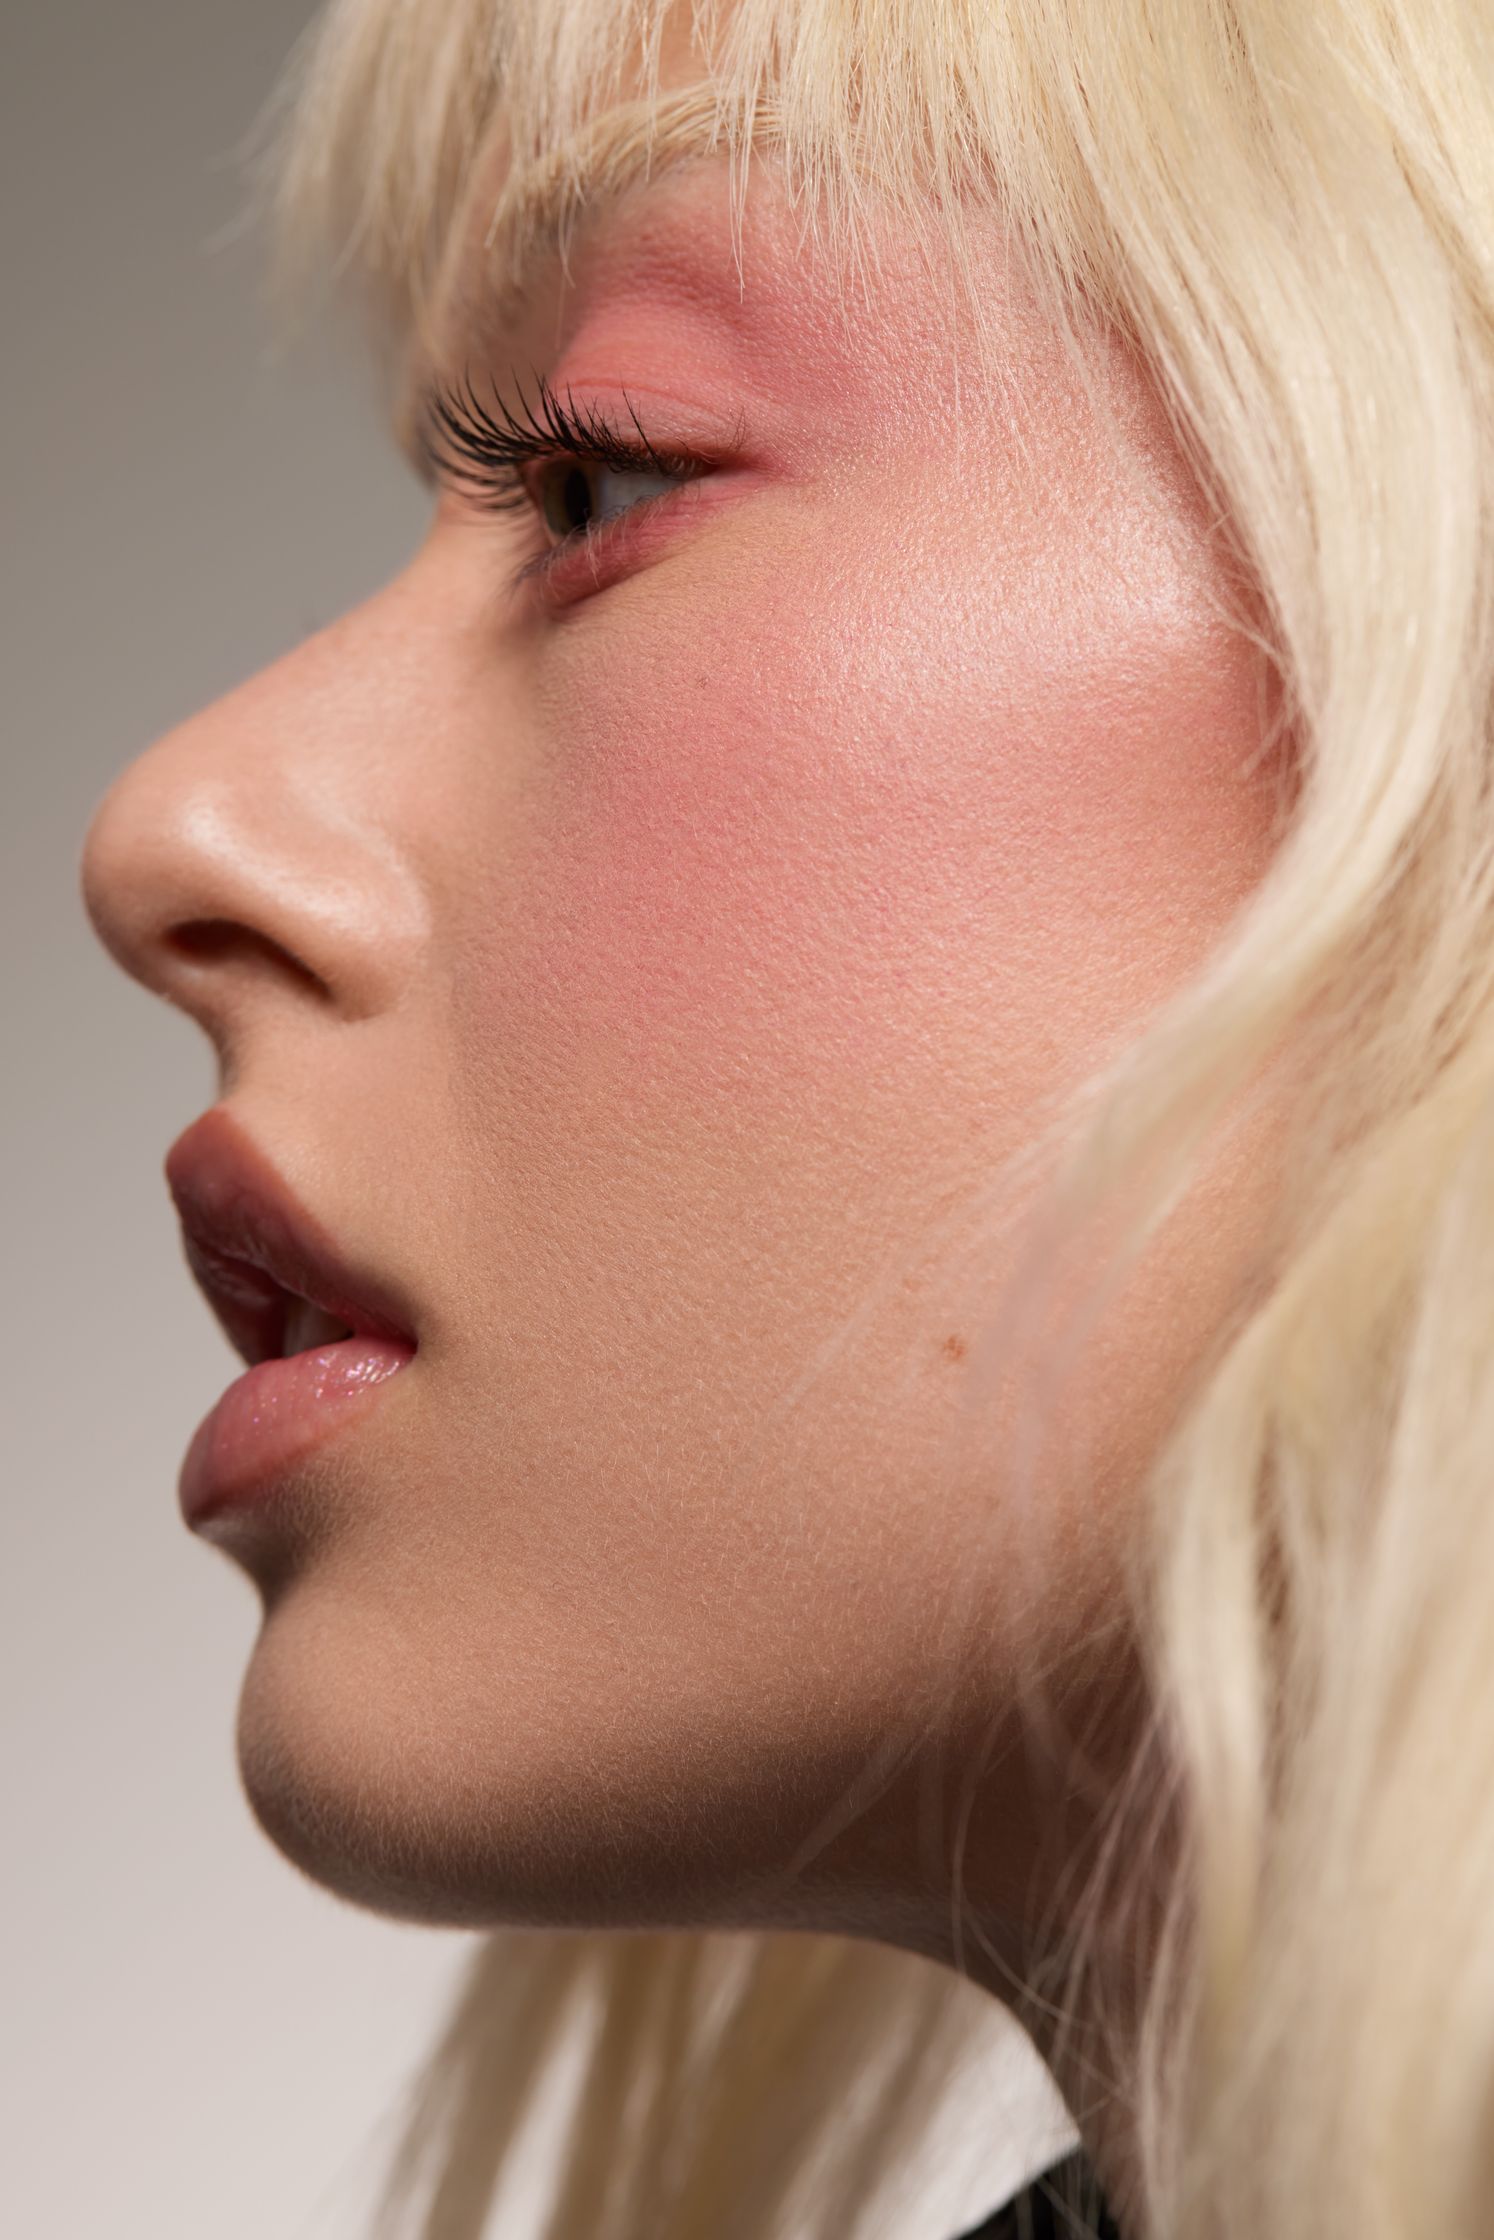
<point>627,938</point>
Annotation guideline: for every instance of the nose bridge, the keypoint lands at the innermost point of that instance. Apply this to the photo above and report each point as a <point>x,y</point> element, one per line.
<point>272,827</point>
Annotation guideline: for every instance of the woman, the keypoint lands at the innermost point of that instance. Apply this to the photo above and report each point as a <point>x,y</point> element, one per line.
<point>856,1143</point>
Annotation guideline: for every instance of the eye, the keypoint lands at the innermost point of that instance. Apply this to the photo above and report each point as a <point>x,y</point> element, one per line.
<point>573,495</point>
<point>571,468</point>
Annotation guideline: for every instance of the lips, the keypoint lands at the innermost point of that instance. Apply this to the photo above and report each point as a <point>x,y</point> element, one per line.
<point>262,1262</point>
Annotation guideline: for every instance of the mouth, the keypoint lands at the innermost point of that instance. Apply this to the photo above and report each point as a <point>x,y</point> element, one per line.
<point>273,1277</point>
<point>263,1318</point>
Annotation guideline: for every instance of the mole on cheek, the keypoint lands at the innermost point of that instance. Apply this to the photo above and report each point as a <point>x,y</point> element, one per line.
<point>954,1348</point>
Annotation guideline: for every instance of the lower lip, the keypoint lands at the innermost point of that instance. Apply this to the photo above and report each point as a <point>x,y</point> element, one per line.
<point>275,1415</point>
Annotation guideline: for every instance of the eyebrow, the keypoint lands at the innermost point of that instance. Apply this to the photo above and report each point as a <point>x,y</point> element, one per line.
<point>540,206</point>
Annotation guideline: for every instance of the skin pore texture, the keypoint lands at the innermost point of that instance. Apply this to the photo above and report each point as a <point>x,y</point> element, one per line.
<point>633,970</point>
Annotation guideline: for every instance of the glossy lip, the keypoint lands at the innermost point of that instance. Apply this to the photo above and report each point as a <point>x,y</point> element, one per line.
<point>271,1419</point>
<point>253,1248</point>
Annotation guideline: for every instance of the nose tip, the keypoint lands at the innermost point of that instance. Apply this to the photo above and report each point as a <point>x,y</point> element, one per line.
<point>162,924</point>
<point>124,906</point>
<point>165,889</point>
<point>123,902</point>
<point>220,875</point>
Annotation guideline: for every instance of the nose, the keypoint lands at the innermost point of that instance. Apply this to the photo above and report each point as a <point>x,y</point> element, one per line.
<point>259,854</point>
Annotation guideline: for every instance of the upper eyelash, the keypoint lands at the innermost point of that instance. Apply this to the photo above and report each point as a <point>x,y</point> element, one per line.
<point>487,446</point>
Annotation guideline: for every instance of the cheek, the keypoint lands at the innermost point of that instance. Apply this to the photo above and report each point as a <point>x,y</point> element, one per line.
<point>907,846</point>
<point>807,890</point>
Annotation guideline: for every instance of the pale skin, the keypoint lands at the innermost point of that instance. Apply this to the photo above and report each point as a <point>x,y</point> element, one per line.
<point>634,972</point>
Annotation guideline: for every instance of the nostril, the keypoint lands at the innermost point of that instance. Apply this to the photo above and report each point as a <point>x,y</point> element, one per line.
<point>210,940</point>
<point>204,937</point>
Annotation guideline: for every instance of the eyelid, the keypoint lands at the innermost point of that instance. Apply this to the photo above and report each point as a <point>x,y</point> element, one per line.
<point>490,454</point>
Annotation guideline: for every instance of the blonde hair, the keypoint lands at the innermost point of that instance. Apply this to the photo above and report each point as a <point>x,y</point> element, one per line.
<point>1289,205</point>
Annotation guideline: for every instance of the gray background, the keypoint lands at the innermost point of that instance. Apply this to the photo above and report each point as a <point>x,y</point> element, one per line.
<point>197,2043</point>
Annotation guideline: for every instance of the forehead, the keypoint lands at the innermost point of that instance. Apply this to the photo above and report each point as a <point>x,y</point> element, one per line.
<point>528,244</point>
<point>647,197</point>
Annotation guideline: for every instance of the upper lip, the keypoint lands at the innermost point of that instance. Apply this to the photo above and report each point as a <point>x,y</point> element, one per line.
<point>255,1250</point>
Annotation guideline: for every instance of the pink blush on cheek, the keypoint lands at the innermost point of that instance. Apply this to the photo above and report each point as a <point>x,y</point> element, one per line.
<point>680,916</point>
<point>781,844</point>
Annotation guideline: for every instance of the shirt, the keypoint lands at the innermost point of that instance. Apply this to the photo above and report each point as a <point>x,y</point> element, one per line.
<point>1035,2213</point>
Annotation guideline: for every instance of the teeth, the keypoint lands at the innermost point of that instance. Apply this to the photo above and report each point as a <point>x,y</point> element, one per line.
<point>307,1326</point>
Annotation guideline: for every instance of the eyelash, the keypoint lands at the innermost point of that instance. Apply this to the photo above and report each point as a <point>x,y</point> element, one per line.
<point>484,451</point>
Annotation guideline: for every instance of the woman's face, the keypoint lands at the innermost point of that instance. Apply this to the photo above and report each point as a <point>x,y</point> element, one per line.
<point>628,968</point>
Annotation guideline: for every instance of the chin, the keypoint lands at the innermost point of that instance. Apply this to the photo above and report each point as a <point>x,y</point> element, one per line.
<point>359,1768</point>
<point>314,1759</point>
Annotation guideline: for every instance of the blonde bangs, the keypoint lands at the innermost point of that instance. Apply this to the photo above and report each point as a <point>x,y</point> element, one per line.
<point>390,105</point>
